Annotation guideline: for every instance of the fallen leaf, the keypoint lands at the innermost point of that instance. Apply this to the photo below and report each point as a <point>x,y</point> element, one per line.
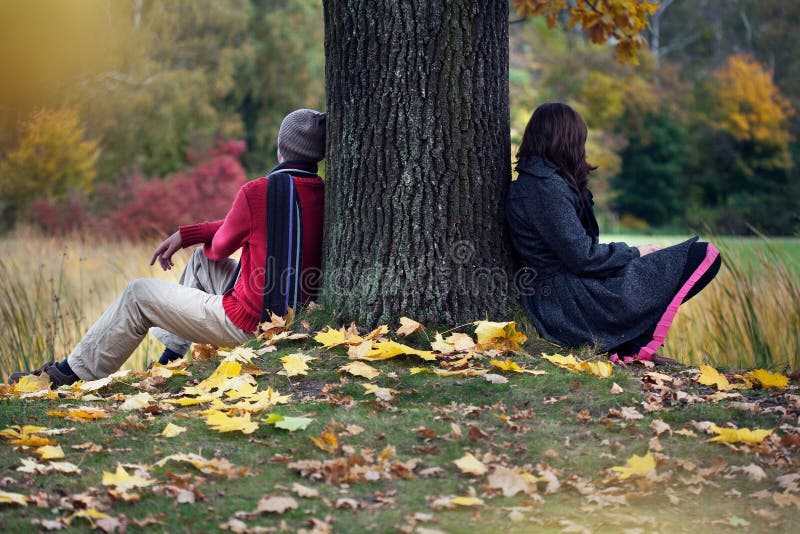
<point>767,379</point>
<point>507,365</point>
<point>359,368</point>
<point>495,379</point>
<point>327,440</point>
<point>287,423</point>
<point>616,389</point>
<point>467,501</point>
<point>659,427</point>
<point>304,491</point>
<point>172,430</point>
<point>739,435</point>
<point>503,335</point>
<point>711,377</point>
<point>12,498</point>
<point>122,481</point>
<point>630,414</point>
<point>510,481</point>
<point>571,363</point>
<point>137,402</point>
<point>90,514</point>
<point>330,338</point>
<point>222,422</point>
<point>49,452</point>
<point>82,414</point>
<point>754,472</point>
<point>408,326</point>
<point>636,465</point>
<point>276,504</point>
<point>295,364</point>
<point>471,465</point>
<point>385,394</point>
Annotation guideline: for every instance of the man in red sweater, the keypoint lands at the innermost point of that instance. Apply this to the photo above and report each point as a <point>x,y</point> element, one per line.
<point>275,220</point>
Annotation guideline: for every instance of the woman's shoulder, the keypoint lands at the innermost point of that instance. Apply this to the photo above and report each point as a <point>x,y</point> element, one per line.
<point>538,178</point>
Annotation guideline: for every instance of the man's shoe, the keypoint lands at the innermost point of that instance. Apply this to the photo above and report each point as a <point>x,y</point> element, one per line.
<point>57,378</point>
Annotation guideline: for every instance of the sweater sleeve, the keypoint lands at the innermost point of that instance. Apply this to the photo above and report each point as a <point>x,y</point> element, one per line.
<point>221,238</point>
<point>552,211</point>
<point>203,232</point>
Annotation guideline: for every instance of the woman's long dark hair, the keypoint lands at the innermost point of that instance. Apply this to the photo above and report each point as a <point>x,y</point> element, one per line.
<point>557,134</point>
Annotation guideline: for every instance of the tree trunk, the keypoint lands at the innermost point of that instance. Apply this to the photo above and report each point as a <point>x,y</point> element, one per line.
<point>418,160</point>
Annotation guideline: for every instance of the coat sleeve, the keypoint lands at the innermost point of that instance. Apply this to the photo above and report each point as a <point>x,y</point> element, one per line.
<point>222,238</point>
<point>549,208</point>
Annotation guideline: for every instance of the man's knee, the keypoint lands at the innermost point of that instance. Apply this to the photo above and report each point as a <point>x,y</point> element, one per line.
<point>138,290</point>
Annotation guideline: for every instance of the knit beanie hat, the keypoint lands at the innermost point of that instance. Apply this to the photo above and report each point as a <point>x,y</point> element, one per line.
<point>302,136</point>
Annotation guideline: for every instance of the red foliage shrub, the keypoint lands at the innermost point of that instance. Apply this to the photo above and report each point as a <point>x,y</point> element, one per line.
<point>137,208</point>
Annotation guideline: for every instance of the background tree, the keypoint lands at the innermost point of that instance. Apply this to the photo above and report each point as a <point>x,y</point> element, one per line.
<point>52,160</point>
<point>648,184</point>
<point>746,169</point>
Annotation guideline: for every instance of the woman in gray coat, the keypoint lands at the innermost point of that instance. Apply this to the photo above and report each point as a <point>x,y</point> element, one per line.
<point>617,298</point>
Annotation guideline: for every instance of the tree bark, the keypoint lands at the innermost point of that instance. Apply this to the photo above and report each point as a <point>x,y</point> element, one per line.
<point>418,160</point>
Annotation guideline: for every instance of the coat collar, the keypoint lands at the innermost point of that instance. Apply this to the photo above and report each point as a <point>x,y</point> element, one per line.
<point>537,166</point>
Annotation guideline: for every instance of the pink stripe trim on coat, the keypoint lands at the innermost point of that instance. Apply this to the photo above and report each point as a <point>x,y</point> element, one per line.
<point>646,352</point>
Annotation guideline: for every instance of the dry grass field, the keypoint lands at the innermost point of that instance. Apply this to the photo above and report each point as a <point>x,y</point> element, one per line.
<point>53,289</point>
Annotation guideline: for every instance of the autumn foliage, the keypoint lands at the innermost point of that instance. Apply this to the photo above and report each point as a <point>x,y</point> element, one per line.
<point>748,105</point>
<point>139,207</point>
<point>53,160</point>
<point>622,20</point>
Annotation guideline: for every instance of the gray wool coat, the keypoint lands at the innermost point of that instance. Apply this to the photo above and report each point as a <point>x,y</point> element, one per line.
<point>577,290</point>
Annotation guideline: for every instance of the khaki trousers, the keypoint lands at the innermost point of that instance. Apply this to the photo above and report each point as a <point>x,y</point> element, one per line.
<point>179,314</point>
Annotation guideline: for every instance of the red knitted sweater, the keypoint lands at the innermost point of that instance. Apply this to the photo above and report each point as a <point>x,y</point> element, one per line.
<point>245,227</point>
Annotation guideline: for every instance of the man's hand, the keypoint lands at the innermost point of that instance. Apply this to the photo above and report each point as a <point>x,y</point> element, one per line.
<point>644,250</point>
<point>166,249</point>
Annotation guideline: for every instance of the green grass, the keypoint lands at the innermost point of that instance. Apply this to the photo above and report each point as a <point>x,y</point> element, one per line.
<point>544,433</point>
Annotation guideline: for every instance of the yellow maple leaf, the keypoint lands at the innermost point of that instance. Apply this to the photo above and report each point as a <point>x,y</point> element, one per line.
<point>328,441</point>
<point>190,401</point>
<point>82,414</point>
<point>49,452</point>
<point>89,514</point>
<point>12,498</point>
<point>739,435</point>
<point>571,363</point>
<point>467,501</point>
<point>26,436</point>
<point>261,400</point>
<point>768,379</point>
<point>384,350</point>
<point>636,465</point>
<point>507,365</point>
<point>408,326</point>
<point>375,334</point>
<point>599,369</point>
<point>295,364</point>
<point>171,430</point>
<point>222,422</point>
<point>330,338</point>
<point>711,377</point>
<point>504,335</point>
<point>225,370</point>
<point>471,465</point>
<point>359,369</point>
<point>122,481</point>
<point>33,384</point>
<point>242,390</point>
